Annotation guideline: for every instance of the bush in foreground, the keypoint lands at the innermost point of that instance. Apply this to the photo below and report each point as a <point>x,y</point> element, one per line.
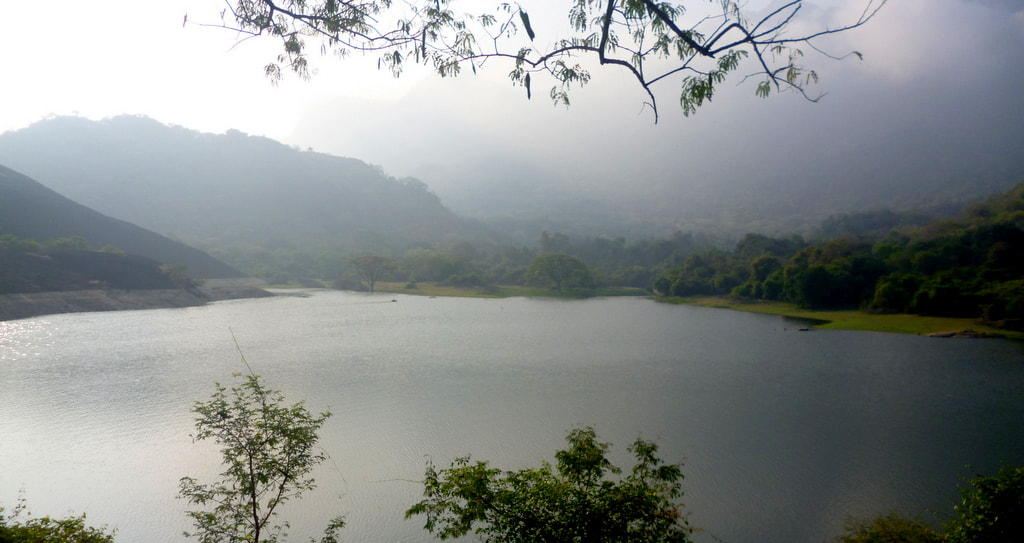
<point>21,527</point>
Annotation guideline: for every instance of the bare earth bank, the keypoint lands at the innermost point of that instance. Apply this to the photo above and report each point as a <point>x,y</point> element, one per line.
<point>33,304</point>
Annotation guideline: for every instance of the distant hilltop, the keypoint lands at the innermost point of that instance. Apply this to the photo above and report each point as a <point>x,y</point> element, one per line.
<point>218,190</point>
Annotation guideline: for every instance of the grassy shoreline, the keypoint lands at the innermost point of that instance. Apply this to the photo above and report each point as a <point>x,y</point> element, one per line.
<point>508,291</point>
<point>853,319</point>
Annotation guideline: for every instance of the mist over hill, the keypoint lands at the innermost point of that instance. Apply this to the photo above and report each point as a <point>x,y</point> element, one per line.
<point>760,182</point>
<point>229,189</point>
<point>247,199</point>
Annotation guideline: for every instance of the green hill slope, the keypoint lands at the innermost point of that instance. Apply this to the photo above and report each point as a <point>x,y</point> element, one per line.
<point>30,210</point>
<point>66,271</point>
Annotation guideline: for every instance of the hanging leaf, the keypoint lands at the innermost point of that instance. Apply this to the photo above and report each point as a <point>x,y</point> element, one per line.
<point>526,24</point>
<point>526,83</point>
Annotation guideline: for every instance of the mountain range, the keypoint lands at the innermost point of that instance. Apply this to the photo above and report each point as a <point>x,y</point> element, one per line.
<point>260,205</point>
<point>228,189</point>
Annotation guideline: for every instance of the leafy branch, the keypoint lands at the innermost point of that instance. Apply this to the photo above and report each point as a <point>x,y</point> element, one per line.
<point>652,41</point>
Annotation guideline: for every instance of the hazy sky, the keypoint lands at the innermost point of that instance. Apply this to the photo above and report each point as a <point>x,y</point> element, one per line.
<point>936,76</point>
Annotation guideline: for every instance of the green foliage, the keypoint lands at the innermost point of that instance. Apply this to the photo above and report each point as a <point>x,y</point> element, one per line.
<point>560,271</point>
<point>894,293</point>
<point>991,509</point>
<point>14,243</point>
<point>114,250</point>
<point>653,41</point>
<point>1005,304</point>
<point>73,243</point>
<point>948,293</point>
<point>890,528</point>
<point>614,260</point>
<point>22,527</point>
<point>970,267</point>
<point>574,500</point>
<point>433,265</point>
<point>837,274</point>
<point>763,266</point>
<point>268,451</point>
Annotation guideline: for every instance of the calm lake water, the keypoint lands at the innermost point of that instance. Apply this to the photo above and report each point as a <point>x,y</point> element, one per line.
<point>783,434</point>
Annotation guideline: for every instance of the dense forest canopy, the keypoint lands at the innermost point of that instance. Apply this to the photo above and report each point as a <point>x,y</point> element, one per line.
<point>970,266</point>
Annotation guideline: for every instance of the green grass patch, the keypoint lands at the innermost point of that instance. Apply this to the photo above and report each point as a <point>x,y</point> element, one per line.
<point>852,319</point>
<point>310,283</point>
<point>431,289</point>
<point>506,291</point>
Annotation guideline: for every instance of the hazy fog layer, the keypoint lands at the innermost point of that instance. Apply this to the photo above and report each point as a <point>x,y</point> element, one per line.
<point>935,107</point>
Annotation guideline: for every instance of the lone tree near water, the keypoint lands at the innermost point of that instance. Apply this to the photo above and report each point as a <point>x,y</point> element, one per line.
<point>371,268</point>
<point>651,42</point>
<point>269,449</point>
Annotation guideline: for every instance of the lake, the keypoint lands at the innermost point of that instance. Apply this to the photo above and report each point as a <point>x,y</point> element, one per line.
<point>783,434</point>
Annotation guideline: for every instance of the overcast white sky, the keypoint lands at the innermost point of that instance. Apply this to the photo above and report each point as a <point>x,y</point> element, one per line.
<point>957,59</point>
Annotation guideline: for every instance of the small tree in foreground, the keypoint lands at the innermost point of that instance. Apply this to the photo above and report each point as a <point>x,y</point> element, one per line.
<point>571,501</point>
<point>268,450</point>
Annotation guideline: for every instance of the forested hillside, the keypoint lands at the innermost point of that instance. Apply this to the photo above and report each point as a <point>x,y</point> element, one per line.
<point>970,266</point>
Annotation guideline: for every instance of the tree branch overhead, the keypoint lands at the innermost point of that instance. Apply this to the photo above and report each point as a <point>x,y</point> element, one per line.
<point>653,41</point>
